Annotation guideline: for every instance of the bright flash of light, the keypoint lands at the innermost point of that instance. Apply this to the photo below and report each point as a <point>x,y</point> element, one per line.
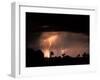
<point>62,51</point>
<point>51,40</point>
<point>46,53</point>
<point>48,43</point>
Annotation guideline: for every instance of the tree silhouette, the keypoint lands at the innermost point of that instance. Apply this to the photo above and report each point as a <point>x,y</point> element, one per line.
<point>36,58</point>
<point>63,55</point>
<point>51,53</point>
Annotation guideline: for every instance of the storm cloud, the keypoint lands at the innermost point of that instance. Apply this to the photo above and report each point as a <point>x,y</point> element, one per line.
<point>69,42</point>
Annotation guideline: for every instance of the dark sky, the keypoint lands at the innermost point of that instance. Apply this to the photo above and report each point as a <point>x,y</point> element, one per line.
<point>58,22</point>
<point>72,29</point>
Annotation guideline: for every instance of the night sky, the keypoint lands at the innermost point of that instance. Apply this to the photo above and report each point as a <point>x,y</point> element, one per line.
<point>60,33</point>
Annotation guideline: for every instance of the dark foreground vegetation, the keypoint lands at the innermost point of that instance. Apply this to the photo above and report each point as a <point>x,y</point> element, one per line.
<point>36,59</point>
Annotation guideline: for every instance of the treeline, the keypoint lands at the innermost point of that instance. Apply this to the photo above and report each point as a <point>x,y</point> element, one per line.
<point>36,59</point>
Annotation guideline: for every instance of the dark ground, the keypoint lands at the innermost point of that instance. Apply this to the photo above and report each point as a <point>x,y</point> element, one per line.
<point>36,59</point>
